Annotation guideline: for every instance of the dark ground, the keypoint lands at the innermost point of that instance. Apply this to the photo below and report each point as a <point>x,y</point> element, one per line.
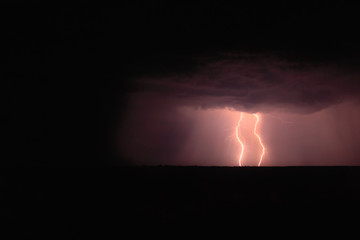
<point>82,203</point>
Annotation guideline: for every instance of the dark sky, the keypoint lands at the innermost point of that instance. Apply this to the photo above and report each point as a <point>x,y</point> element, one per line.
<point>143,82</point>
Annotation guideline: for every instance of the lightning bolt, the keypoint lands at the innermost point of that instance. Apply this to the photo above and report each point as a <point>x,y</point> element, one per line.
<point>257,135</point>
<point>238,138</point>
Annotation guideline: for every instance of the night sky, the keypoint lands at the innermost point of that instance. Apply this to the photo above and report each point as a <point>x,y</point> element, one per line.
<point>164,82</point>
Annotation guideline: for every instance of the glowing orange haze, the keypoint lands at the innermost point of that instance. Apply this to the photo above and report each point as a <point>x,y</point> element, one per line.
<point>188,136</point>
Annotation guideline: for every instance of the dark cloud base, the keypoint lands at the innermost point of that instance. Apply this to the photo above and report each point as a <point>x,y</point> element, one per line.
<point>256,82</point>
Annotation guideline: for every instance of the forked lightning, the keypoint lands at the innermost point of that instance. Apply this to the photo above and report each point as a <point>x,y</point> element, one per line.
<point>255,133</point>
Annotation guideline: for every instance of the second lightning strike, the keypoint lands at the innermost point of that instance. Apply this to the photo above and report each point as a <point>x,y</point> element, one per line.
<point>258,136</point>
<point>255,133</point>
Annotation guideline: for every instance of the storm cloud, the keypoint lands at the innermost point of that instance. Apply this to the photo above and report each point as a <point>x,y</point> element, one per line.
<point>309,112</point>
<point>253,82</point>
